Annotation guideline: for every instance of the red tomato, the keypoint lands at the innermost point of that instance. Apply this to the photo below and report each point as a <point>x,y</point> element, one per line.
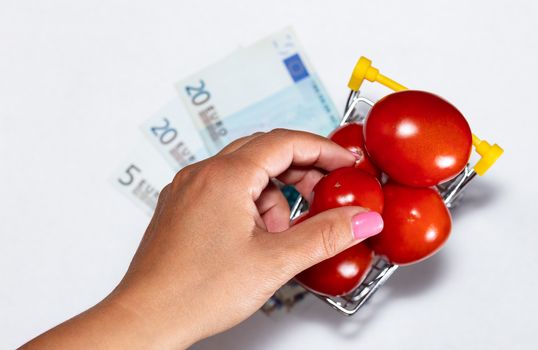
<point>416,224</point>
<point>340,274</point>
<point>417,138</point>
<point>347,187</point>
<point>350,136</point>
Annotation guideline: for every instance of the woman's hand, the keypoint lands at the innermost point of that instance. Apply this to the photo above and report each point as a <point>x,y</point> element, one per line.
<point>219,245</point>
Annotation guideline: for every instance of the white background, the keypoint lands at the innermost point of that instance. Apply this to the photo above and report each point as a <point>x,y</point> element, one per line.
<point>78,77</point>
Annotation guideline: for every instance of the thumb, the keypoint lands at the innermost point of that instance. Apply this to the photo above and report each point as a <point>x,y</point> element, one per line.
<point>326,234</point>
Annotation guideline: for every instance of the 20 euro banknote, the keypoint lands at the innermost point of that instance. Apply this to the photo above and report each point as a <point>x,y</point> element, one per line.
<point>268,85</point>
<point>172,132</point>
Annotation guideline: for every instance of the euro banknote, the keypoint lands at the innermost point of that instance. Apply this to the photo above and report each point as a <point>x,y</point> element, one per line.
<point>172,132</point>
<point>142,175</point>
<point>270,84</point>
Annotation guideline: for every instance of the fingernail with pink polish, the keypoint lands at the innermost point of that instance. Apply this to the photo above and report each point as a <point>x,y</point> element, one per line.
<point>366,224</point>
<point>357,155</point>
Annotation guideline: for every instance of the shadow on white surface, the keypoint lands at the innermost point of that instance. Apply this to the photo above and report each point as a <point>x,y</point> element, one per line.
<point>261,331</point>
<point>411,281</point>
<point>481,193</point>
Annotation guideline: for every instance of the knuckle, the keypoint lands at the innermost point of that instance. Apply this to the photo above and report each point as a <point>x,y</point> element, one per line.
<point>231,146</point>
<point>256,134</point>
<point>329,236</point>
<point>211,170</point>
<point>280,132</point>
<point>164,191</point>
<point>184,174</point>
<point>236,143</point>
<point>225,170</point>
<point>163,194</point>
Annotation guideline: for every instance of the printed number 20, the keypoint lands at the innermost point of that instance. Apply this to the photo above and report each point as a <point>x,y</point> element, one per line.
<point>167,135</point>
<point>198,94</point>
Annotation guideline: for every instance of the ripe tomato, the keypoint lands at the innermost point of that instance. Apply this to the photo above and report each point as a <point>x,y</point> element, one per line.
<point>350,136</point>
<point>417,138</point>
<point>416,224</point>
<point>347,187</point>
<point>340,274</point>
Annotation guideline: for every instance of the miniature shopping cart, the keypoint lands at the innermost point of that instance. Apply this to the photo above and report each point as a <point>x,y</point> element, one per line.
<point>356,110</point>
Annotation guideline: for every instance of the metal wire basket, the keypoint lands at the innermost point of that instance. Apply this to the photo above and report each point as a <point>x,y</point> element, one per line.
<point>356,110</point>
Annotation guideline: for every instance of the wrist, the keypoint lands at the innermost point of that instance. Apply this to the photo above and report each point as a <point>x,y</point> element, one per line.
<point>107,325</point>
<point>152,323</point>
<point>126,325</point>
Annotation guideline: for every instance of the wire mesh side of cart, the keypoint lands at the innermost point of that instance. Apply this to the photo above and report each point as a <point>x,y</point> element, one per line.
<point>357,108</point>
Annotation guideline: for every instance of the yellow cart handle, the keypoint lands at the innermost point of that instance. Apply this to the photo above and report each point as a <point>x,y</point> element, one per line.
<point>364,70</point>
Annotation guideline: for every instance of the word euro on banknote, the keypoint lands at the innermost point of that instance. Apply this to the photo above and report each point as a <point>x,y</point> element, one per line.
<point>142,176</point>
<point>268,85</point>
<point>172,132</point>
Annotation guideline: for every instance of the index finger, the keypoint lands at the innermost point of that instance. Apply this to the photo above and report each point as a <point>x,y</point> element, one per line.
<point>274,152</point>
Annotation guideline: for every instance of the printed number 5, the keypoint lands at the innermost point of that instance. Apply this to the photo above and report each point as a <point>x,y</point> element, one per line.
<point>130,175</point>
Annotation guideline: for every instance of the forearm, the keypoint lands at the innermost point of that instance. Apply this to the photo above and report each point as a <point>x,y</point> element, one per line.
<point>108,325</point>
